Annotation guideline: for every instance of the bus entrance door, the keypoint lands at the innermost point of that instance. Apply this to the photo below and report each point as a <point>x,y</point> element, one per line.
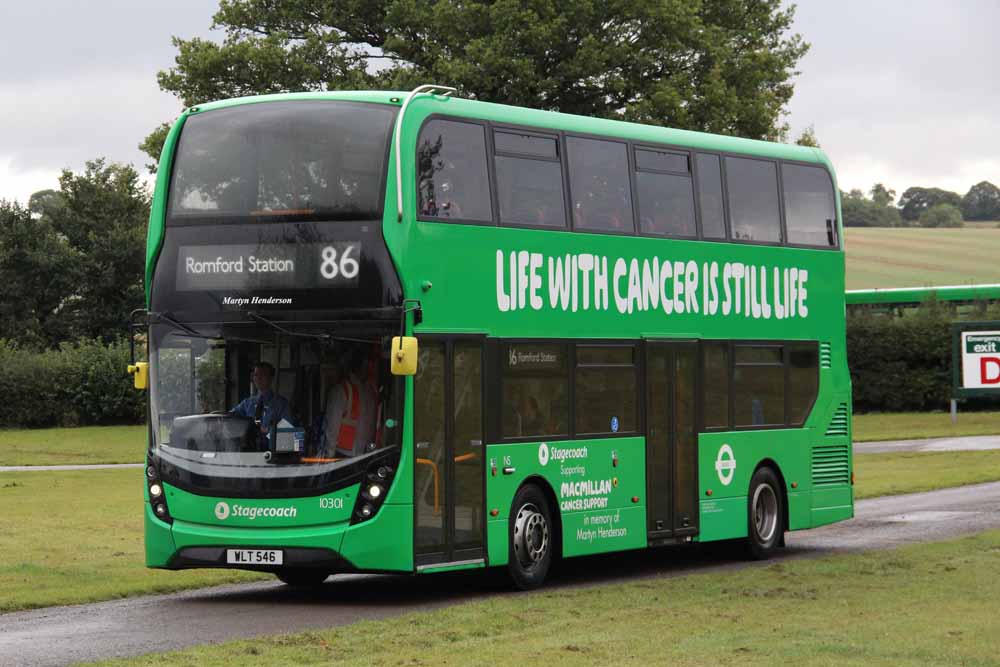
<point>448,454</point>
<point>671,441</point>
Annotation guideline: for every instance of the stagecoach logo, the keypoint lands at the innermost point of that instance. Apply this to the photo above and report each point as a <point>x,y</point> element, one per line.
<point>543,454</point>
<point>725,465</point>
<point>223,512</point>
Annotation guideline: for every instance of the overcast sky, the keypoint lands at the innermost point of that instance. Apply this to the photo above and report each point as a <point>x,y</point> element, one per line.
<point>904,93</point>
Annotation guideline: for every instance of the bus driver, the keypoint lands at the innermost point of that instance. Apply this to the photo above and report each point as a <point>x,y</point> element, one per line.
<point>266,407</point>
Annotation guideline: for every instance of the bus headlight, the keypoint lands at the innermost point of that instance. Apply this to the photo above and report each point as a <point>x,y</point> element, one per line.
<point>155,490</point>
<point>374,488</point>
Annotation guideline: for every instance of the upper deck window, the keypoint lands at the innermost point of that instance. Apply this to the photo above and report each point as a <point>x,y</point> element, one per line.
<point>451,164</point>
<point>809,209</point>
<point>665,193</point>
<point>753,199</point>
<point>529,180</point>
<point>713,211</point>
<point>296,159</point>
<point>598,179</point>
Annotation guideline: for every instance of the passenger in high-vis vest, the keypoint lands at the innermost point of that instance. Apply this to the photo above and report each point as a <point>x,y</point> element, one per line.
<point>351,407</point>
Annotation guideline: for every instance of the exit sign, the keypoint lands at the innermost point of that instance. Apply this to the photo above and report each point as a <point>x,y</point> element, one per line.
<point>976,359</point>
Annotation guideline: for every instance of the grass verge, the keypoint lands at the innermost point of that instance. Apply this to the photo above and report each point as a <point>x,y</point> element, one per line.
<point>68,446</point>
<point>70,537</point>
<point>917,605</point>
<point>916,425</point>
<point>910,472</point>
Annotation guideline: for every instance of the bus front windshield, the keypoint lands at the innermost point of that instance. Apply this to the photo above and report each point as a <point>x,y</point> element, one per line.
<point>245,401</point>
<point>297,159</point>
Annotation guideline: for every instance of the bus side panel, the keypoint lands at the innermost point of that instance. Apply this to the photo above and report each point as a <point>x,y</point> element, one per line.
<point>383,543</point>
<point>159,542</point>
<point>599,485</point>
<point>833,461</point>
<point>726,462</point>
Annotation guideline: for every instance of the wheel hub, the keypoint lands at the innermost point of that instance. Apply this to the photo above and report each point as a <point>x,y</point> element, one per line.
<point>531,535</point>
<point>765,512</point>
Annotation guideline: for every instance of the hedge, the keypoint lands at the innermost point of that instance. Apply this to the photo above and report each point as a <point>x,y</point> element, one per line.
<point>902,362</point>
<point>79,384</point>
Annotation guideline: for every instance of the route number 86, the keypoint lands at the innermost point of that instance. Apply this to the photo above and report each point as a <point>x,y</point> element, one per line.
<point>346,267</point>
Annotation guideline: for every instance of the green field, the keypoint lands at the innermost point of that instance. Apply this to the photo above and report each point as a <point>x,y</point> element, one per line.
<point>65,446</point>
<point>910,472</point>
<point>904,257</point>
<point>916,425</point>
<point>69,537</point>
<point>918,605</point>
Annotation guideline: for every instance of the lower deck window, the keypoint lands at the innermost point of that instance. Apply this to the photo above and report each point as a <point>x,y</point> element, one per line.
<point>607,390</point>
<point>535,390</point>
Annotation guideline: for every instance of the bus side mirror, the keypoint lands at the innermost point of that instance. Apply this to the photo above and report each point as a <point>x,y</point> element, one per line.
<point>404,355</point>
<point>140,374</point>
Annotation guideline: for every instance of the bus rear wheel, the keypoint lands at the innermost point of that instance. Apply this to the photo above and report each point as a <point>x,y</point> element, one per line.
<point>765,514</point>
<point>531,536</point>
<point>302,578</point>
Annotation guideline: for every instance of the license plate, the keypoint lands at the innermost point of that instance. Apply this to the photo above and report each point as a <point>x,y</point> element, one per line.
<point>254,556</point>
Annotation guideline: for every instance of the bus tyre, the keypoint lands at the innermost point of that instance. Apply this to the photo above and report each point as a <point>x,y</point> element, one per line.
<point>531,538</point>
<point>764,515</point>
<point>303,578</point>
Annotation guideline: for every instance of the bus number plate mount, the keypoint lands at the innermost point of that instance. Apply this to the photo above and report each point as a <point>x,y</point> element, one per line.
<point>254,557</point>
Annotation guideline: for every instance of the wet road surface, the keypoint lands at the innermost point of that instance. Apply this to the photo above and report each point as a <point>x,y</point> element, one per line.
<point>967,443</point>
<point>63,635</point>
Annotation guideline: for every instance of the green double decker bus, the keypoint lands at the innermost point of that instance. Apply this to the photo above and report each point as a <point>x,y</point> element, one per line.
<point>408,332</point>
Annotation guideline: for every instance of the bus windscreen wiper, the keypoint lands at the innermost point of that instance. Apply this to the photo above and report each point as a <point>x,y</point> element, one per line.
<point>302,334</point>
<point>165,317</point>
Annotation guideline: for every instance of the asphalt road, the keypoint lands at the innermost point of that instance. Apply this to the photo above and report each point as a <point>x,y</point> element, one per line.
<point>63,635</point>
<point>966,443</point>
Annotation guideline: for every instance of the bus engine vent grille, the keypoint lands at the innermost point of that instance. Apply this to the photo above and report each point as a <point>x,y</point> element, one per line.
<point>829,465</point>
<point>838,423</point>
<point>825,355</point>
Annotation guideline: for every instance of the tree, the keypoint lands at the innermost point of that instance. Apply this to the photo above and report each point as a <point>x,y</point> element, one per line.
<point>982,202</point>
<point>103,221</point>
<point>36,275</point>
<point>859,211</point>
<point>941,215</point>
<point>882,195</point>
<point>722,66</point>
<point>808,138</point>
<point>917,200</point>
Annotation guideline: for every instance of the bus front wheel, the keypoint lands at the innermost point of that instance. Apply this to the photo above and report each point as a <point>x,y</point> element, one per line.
<point>764,514</point>
<point>531,536</point>
<point>302,578</point>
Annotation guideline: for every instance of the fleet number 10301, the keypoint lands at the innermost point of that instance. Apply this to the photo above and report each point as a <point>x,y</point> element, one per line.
<point>331,503</point>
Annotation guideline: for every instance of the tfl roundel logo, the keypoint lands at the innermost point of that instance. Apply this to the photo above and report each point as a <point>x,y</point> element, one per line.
<point>725,465</point>
<point>222,511</point>
<point>543,454</point>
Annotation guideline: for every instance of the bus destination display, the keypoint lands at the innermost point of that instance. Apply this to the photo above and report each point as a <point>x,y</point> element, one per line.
<point>268,266</point>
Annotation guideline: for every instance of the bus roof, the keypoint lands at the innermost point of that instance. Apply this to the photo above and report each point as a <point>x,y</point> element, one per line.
<point>903,295</point>
<point>513,115</point>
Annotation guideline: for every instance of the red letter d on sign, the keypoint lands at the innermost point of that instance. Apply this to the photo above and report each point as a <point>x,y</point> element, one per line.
<point>984,370</point>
